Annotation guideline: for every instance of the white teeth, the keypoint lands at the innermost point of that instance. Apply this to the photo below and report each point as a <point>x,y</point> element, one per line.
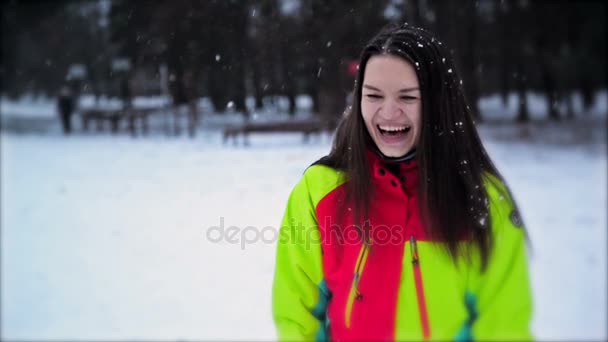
<point>393,128</point>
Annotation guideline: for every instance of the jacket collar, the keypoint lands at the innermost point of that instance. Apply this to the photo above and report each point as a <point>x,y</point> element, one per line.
<point>406,177</point>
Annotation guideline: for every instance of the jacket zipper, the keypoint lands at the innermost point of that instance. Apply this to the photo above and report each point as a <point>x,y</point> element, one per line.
<point>354,289</point>
<point>424,318</point>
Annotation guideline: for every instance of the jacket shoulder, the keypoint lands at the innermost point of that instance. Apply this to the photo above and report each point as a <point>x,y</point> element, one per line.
<point>501,202</point>
<point>496,189</point>
<point>320,180</point>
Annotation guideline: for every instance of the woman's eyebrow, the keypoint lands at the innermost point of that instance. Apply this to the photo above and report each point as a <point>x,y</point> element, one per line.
<point>370,87</point>
<point>404,90</point>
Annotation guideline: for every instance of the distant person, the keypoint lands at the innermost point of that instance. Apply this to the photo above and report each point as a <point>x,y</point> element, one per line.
<point>65,106</point>
<point>184,95</point>
<point>405,230</point>
<point>190,97</point>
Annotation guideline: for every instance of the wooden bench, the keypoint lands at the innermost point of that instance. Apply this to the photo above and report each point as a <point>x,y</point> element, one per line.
<point>306,127</point>
<point>114,116</point>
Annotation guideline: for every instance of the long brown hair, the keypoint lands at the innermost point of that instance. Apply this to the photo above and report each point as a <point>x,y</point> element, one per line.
<point>452,160</point>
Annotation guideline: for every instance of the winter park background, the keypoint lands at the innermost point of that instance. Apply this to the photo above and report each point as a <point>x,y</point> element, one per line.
<point>106,236</point>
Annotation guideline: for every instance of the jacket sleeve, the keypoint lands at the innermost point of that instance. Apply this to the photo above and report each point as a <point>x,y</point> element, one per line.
<point>502,295</point>
<point>298,295</point>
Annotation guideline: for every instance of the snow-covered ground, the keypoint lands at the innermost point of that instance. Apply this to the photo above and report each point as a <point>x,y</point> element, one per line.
<point>108,237</point>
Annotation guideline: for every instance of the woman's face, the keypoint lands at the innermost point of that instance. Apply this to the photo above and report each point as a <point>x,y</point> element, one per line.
<point>391,104</point>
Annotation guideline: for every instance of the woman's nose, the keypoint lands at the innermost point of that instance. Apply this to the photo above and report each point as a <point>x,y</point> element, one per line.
<point>390,109</point>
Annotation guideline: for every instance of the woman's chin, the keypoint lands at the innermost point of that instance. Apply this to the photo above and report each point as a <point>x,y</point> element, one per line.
<point>394,151</point>
<point>393,146</point>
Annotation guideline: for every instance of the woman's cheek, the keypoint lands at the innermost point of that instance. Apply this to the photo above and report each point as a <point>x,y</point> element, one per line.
<point>412,111</point>
<point>368,109</point>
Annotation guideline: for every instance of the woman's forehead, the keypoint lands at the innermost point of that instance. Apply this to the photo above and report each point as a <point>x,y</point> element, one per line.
<point>387,70</point>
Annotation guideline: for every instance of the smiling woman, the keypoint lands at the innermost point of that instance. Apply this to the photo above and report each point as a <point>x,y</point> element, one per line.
<point>391,104</point>
<point>405,230</point>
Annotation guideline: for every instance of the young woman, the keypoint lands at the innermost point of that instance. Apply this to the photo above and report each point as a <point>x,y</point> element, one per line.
<point>406,230</point>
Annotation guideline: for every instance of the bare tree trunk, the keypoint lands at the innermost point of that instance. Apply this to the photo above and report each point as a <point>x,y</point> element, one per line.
<point>313,92</point>
<point>240,92</point>
<point>256,80</point>
<point>586,93</point>
<point>522,112</point>
<point>291,97</point>
<point>414,9</point>
<point>240,15</point>
<point>471,61</point>
<point>569,105</point>
<point>288,80</point>
<point>215,85</point>
<point>505,59</point>
<point>331,104</point>
<point>549,86</point>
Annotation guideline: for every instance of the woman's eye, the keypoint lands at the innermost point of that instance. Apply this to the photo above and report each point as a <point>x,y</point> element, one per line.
<point>408,98</point>
<point>373,96</point>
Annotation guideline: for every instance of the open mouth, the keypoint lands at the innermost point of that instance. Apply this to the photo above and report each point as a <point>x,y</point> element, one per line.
<point>393,130</point>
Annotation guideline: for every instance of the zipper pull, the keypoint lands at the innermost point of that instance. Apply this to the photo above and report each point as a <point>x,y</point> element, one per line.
<point>414,250</point>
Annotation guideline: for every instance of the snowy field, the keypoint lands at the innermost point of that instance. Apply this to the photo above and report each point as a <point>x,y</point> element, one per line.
<point>108,237</point>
